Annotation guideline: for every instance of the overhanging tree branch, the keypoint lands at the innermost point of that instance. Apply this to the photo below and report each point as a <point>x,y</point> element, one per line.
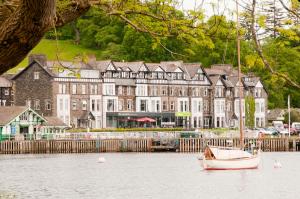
<point>259,51</point>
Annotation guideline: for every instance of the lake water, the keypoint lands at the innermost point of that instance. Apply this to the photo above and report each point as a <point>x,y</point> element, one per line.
<point>144,175</point>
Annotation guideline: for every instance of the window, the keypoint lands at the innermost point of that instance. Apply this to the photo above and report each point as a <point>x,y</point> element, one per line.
<point>205,92</point>
<point>172,91</point>
<point>109,89</point>
<point>219,92</point>
<point>94,89</point>
<point>129,104</point>
<point>110,105</point>
<point>165,106</point>
<point>3,102</point>
<point>121,104</point>
<point>185,106</point>
<point>83,89</point>
<point>74,89</point>
<point>257,107</point>
<point>181,106</point>
<point>160,75</point>
<point>257,92</point>
<point>12,92</point>
<point>120,90</point>
<point>62,88</point>
<point>262,107</point>
<point>201,77</point>
<point>172,106</point>
<point>36,75</point>
<point>128,90</point>
<point>143,106</point>
<point>37,104</point>
<point>93,103</point>
<point>157,106</point>
<point>179,75</point>
<point>6,91</point>
<point>98,104</point>
<point>24,117</point>
<point>228,93</point>
<point>199,106</point>
<point>48,105</point>
<point>164,91</point>
<point>84,105</point>
<point>141,90</point>
<point>180,92</point>
<point>74,104</point>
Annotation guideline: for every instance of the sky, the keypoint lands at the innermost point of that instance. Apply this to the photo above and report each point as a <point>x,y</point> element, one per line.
<point>225,6</point>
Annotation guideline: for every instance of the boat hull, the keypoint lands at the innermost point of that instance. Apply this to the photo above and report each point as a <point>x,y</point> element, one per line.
<point>232,164</point>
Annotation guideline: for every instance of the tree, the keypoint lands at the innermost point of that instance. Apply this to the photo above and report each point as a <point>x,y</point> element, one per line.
<point>25,22</point>
<point>249,111</point>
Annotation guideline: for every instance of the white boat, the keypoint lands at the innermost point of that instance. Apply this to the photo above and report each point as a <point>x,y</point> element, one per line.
<point>216,158</point>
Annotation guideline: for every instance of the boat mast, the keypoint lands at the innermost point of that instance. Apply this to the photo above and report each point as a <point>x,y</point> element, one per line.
<point>239,76</point>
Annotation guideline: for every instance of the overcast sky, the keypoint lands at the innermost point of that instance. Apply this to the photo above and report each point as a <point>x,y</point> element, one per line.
<point>225,6</point>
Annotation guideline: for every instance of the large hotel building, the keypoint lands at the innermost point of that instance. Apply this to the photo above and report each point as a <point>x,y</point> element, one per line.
<point>108,94</point>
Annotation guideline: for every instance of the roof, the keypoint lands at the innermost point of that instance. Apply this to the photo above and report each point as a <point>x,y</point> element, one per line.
<point>4,82</point>
<point>215,79</point>
<point>275,114</point>
<point>8,113</point>
<point>54,121</point>
<point>48,71</point>
<point>134,66</point>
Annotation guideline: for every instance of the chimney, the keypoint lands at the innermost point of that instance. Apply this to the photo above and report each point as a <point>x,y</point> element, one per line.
<point>41,58</point>
<point>92,60</point>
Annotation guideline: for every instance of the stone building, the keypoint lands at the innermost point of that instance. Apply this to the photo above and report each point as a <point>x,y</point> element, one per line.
<point>105,94</point>
<point>6,91</point>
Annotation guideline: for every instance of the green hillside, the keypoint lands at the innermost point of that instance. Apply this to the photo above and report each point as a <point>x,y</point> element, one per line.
<point>66,50</point>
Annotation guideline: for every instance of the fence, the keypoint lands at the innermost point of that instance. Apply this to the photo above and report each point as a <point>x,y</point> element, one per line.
<point>141,145</point>
<point>75,146</point>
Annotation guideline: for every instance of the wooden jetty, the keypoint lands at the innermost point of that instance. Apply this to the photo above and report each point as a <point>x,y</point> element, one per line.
<point>183,145</point>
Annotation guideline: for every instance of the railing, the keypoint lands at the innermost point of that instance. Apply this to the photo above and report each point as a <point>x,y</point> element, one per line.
<point>75,146</point>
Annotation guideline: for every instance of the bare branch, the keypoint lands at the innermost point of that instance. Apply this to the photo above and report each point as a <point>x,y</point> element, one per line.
<point>259,50</point>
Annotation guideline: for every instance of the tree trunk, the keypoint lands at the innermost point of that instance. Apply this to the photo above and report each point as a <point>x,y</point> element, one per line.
<point>26,26</point>
<point>23,30</point>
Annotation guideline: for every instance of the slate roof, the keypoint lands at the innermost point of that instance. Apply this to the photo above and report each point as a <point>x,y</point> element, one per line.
<point>54,121</point>
<point>8,113</point>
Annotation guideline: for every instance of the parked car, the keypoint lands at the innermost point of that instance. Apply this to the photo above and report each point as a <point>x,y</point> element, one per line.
<point>271,131</point>
<point>292,130</point>
<point>296,126</point>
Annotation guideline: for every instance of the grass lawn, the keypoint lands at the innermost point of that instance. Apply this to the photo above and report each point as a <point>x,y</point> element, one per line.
<point>66,50</point>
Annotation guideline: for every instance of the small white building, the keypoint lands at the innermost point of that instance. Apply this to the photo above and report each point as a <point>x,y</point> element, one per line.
<point>24,122</point>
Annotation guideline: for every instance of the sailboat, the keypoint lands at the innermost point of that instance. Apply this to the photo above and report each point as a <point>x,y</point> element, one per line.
<point>221,158</point>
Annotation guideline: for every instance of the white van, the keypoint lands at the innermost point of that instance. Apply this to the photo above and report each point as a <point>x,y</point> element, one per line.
<point>278,124</point>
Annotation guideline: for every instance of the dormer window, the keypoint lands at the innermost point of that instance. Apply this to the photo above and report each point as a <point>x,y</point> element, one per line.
<point>201,77</point>
<point>160,75</point>
<point>36,75</point>
<point>179,76</point>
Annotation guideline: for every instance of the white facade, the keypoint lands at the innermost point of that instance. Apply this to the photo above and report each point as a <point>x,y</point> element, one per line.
<point>96,110</point>
<point>63,108</point>
<point>197,112</point>
<point>142,104</point>
<point>182,104</point>
<point>110,104</point>
<point>219,112</point>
